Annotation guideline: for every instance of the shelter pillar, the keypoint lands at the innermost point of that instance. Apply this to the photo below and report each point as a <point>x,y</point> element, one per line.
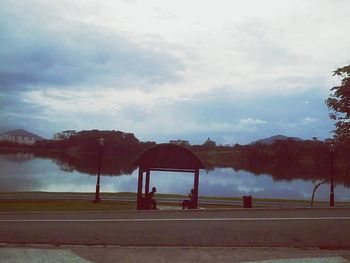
<point>196,185</point>
<point>147,182</point>
<point>139,188</point>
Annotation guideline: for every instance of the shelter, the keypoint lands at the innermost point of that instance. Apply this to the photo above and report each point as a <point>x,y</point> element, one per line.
<point>167,157</point>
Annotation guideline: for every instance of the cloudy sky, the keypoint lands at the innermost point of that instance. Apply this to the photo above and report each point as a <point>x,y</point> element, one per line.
<point>234,71</point>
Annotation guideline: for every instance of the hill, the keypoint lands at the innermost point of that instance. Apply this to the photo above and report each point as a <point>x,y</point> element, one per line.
<point>272,139</point>
<point>21,132</point>
<point>19,136</point>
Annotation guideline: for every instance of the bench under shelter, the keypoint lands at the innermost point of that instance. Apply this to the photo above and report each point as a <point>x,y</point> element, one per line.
<point>169,158</point>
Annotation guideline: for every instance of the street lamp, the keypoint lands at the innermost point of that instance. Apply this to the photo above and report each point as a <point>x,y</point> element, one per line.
<point>97,194</point>
<point>331,195</point>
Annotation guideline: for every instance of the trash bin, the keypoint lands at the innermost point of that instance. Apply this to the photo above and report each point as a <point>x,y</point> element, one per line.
<point>247,201</point>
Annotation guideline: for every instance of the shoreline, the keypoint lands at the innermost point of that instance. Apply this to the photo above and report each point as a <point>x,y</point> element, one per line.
<point>161,195</point>
<point>69,201</point>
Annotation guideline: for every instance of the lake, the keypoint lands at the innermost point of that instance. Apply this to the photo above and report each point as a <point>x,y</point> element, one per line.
<point>25,172</point>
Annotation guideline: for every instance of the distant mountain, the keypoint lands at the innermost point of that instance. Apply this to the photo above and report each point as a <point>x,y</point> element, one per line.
<point>272,139</point>
<point>21,132</point>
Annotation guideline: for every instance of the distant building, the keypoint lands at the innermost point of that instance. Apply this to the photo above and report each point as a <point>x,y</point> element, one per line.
<point>20,136</point>
<point>180,142</point>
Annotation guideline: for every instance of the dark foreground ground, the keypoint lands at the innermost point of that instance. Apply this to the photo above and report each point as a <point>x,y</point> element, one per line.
<point>230,235</point>
<point>323,228</point>
<point>270,232</point>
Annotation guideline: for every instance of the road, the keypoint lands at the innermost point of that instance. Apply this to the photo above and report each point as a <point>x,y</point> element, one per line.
<point>325,228</point>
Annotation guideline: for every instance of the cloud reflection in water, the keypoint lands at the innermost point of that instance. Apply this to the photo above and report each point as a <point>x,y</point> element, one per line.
<point>44,175</point>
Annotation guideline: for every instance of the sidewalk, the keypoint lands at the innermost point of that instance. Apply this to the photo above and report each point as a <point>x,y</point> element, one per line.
<point>109,254</point>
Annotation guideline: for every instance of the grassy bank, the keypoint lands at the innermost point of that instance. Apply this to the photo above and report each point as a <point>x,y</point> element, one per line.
<point>49,201</point>
<point>63,205</point>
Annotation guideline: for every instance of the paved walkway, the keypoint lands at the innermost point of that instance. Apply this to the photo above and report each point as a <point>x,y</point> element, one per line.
<point>109,254</point>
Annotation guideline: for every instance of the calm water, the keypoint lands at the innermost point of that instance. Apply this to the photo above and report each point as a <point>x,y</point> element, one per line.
<point>27,173</point>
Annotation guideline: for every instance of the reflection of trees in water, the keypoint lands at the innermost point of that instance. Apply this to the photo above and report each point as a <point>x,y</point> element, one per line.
<point>288,171</point>
<point>17,156</point>
<point>88,163</point>
<point>80,151</point>
<point>283,160</point>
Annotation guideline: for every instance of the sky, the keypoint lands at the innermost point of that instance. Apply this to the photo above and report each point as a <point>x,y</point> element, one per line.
<point>234,71</point>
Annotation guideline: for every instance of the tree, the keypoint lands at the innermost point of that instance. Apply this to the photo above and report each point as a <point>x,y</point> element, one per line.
<point>64,135</point>
<point>339,104</point>
<point>209,144</point>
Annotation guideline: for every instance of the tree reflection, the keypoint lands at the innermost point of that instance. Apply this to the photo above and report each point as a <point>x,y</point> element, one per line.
<point>87,162</point>
<point>283,160</point>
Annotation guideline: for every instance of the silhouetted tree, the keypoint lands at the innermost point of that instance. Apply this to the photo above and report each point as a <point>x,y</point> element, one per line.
<point>339,104</point>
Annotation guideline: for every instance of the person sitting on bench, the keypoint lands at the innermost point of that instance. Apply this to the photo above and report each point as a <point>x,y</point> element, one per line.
<point>150,199</point>
<point>189,203</point>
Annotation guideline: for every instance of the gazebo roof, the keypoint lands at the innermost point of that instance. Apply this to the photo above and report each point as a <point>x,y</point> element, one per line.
<point>169,157</point>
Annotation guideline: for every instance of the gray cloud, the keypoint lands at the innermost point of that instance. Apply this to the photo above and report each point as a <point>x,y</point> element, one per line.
<point>39,50</point>
<point>234,117</point>
<point>54,53</point>
<point>35,54</point>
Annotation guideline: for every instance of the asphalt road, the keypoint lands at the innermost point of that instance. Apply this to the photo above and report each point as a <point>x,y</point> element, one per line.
<point>325,228</point>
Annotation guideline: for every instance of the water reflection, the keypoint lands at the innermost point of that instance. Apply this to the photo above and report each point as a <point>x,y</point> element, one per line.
<point>230,183</point>
<point>87,163</point>
<point>18,156</point>
<point>40,174</point>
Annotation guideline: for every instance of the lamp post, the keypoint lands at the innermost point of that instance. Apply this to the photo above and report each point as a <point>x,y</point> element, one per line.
<point>97,194</point>
<point>331,195</point>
